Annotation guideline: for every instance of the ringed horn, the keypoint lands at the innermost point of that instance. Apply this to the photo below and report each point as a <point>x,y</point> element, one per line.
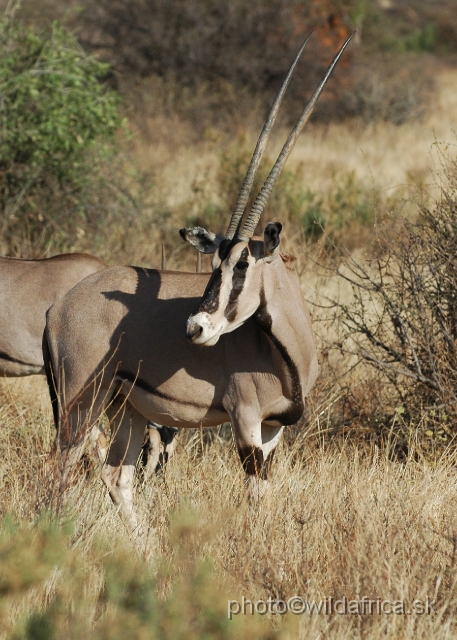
<point>248,228</point>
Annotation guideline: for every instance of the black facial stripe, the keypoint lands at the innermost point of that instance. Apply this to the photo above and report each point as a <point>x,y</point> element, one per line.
<point>210,300</point>
<point>225,247</point>
<point>238,278</point>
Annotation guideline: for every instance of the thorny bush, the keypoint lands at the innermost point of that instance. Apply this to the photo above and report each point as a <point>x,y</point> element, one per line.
<point>403,316</point>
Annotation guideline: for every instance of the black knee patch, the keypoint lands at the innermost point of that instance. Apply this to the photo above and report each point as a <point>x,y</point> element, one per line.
<point>252,461</point>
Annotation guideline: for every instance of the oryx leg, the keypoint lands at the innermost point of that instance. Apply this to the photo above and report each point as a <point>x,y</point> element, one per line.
<point>74,432</point>
<point>169,441</point>
<point>270,440</point>
<point>127,435</point>
<point>154,447</point>
<point>160,444</point>
<point>256,445</point>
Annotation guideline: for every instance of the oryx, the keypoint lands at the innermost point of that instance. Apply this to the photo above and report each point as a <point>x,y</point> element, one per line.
<point>27,289</point>
<point>119,341</point>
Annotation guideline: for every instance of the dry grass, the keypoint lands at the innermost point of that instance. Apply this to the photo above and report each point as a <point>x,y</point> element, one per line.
<point>341,521</point>
<point>385,157</point>
<point>174,180</point>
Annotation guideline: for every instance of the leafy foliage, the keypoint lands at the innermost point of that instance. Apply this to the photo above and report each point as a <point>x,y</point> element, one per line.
<point>112,594</point>
<point>54,115</point>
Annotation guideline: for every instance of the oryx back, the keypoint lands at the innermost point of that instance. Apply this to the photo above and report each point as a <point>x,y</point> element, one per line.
<point>27,289</point>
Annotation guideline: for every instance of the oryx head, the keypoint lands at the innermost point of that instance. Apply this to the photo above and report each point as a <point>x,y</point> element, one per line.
<point>241,261</point>
<point>234,289</point>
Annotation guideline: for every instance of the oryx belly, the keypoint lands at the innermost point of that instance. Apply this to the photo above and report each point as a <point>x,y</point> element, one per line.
<point>11,368</point>
<point>178,402</point>
<point>175,414</point>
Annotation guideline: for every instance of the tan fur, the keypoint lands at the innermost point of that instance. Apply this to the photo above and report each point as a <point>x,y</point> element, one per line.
<point>123,330</point>
<point>27,289</point>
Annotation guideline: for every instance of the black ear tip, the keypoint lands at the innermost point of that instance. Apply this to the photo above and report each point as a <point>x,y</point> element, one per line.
<point>273,227</point>
<point>182,233</point>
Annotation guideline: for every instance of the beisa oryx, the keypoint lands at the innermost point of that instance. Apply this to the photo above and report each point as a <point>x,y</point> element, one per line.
<point>27,289</point>
<point>188,349</point>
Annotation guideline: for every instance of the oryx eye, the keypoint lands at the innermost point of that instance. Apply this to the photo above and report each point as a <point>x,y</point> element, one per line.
<point>241,265</point>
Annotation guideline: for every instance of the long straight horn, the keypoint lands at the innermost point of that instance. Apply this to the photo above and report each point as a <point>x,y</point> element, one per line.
<point>253,218</point>
<point>246,187</point>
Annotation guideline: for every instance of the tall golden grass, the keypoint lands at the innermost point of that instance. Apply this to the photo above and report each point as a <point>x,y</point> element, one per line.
<point>383,156</point>
<point>341,521</point>
<point>169,179</point>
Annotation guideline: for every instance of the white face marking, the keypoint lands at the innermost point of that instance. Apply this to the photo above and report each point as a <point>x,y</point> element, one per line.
<point>233,296</point>
<point>209,332</point>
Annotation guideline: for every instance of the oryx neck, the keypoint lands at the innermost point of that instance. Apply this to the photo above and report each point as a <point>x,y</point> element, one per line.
<point>282,317</point>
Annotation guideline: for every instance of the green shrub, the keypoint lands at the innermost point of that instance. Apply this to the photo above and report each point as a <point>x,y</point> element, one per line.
<point>55,117</point>
<point>107,592</point>
<point>28,554</point>
<point>421,40</point>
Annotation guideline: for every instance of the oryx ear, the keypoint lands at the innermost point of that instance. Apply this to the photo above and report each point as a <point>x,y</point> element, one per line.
<point>201,239</point>
<point>271,239</point>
